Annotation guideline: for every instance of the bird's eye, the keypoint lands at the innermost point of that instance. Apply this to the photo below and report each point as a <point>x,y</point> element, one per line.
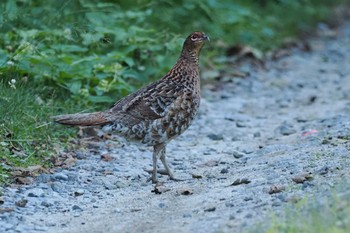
<point>194,37</point>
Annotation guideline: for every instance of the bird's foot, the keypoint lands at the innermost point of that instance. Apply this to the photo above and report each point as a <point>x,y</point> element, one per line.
<point>154,179</point>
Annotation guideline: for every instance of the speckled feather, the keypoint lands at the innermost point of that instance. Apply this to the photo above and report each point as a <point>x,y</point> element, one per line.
<point>158,112</point>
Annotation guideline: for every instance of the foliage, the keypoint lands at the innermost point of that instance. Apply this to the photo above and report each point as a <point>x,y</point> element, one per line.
<point>102,50</point>
<point>27,135</point>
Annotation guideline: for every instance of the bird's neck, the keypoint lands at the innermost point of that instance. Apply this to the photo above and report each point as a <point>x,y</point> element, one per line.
<point>190,56</point>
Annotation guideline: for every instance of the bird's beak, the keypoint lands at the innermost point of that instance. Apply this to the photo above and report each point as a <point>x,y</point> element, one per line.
<point>206,38</point>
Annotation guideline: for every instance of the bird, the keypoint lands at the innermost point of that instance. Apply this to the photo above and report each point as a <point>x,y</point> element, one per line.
<point>156,113</point>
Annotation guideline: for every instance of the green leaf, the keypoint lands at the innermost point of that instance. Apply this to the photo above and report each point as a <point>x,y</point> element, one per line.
<point>11,9</point>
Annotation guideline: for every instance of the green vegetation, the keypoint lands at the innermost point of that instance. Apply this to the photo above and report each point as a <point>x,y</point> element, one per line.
<point>331,214</point>
<point>64,55</point>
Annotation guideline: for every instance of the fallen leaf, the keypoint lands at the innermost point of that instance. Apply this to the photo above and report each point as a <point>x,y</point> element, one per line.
<point>21,203</point>
<point>159,188</point>
<point>23,180</point>
<point>107,157</point>
<point>301,178</point>
<point>311,131</point>
<point>5,210</point>
<point>276,189</point>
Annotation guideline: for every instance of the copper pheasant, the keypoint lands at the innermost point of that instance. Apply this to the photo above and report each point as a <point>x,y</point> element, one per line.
<point>158,112</point>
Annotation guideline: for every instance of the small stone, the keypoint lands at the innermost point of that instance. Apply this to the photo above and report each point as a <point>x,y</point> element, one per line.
<point>76,214</point>
<point>121,184</point>
<point>2,200</point>
<point>60,176</point>
<point>324,170</point>
<point>196,176</point>
<point>248,151</point>
<point>46,203</point>
<point>211,209</point>
<point>237,154</point>
<point>21,203</point>
<point>185,192</point>
<point>117,210</point>
<point>240,181</point>
<point>257,134</point>
<point>224,171</point>
<point>77,208</point>
<point>36,192</point>
<point>79,192</point>
<point>285,130</point>
<point>215,137</point>
<point>161,205</point>
<point>240,124</point>
<point>187,215</point>
<point>276,203</point>
<point>58,187</point>
<point>44,178</point>
<point>80,155</point>
<point>229,204</point>
<point>248,199</point>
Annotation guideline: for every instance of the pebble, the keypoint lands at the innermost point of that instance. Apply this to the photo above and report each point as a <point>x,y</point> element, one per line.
<point>46,203</point>
<point>79,192</point>
<point>210,209</point>
<point>60,176</point>
<point>285,130</point>
<point>77,208</point>
<point>241,124</point>
<point>58,187</point>
<point>35,192</point>
<point>215,137</point>
<point>224,171</point>
<point>237,154</point>
<point>257,134</point>
<point>241,181</point>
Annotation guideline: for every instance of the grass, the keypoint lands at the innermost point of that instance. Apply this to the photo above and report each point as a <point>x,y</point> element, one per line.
<point>27,134</point>
<point>327,214</point>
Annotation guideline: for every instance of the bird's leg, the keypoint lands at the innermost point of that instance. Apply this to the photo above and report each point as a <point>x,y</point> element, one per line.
<point>165,164</point>
<point>156,155</point>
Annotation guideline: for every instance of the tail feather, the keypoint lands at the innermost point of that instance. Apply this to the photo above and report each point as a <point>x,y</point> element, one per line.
<point>83,119</point>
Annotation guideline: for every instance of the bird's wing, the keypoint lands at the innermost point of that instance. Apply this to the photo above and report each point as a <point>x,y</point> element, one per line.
<point>150,102</point>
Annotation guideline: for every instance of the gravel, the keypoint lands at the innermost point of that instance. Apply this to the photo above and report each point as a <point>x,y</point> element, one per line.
<point>259,144</point>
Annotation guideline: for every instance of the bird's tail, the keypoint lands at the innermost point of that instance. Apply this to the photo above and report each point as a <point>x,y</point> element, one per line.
<point>83,119</point>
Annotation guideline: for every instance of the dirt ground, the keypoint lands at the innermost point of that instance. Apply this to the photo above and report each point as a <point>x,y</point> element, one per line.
<point>259,145</point>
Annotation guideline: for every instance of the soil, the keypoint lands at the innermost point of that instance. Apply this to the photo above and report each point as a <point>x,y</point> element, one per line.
<point>259,145</point>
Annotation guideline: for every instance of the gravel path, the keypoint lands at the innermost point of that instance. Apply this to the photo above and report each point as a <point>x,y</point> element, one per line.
<point>259,144</point>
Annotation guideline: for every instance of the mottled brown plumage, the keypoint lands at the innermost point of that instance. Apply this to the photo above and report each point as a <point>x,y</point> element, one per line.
<point>158,112</point>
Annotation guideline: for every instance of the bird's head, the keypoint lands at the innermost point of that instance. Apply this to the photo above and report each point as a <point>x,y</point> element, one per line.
<point>194,43</point>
